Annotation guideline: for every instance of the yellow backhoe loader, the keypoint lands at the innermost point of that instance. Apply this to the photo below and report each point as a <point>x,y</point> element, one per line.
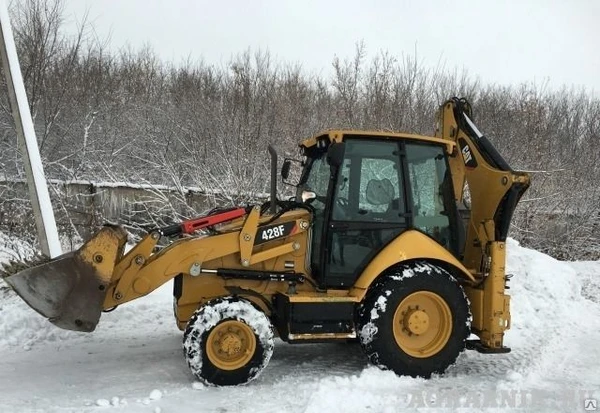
<point>378,246</point>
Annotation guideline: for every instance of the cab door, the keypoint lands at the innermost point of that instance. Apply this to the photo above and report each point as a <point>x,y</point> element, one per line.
<point>367,210</point>
<point>433,206</point>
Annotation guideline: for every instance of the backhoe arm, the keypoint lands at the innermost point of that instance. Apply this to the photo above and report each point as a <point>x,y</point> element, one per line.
<point>494,190</point>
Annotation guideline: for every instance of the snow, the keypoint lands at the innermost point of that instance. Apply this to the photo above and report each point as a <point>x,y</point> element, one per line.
<point>198,386</point>
<point>367,332</point>
<point>136,350</point>
<point>155,395</point>
<point>418,268</point>
<point>99,185</point>
<point>11,249</point>
<point>102,403</point>
<point>379,307</point>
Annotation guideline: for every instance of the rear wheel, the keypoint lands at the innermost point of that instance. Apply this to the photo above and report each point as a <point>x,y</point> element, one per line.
<point>228,341</point>
<point>415,320</point>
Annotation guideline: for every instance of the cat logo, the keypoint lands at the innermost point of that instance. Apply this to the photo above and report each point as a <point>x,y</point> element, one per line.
<point>470,161</point>
<point>467,154</point>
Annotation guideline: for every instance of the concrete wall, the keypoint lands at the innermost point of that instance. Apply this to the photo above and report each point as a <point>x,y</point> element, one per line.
<point>83,207</point>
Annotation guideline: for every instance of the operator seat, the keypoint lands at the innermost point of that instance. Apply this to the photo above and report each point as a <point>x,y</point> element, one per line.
<point>381,192</point>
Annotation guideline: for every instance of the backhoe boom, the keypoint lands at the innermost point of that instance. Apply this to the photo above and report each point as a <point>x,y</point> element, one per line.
<point>494,190</point>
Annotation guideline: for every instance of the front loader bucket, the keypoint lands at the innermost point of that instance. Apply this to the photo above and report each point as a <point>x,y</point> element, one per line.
<point>70,290</point>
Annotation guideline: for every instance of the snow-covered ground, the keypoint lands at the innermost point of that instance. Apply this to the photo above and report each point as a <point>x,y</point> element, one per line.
<point>133,362</point>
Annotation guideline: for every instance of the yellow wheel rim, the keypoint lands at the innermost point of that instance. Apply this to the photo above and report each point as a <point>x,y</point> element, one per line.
<point>422,324</point>
<point>231,345</point>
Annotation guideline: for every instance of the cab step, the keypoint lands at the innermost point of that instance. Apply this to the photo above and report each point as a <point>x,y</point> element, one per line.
<point>314,317</point>
<point>478,346</point>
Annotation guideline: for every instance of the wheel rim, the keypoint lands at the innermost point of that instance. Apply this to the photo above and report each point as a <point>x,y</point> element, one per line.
<point>422,324</point>
<point>231,345</point>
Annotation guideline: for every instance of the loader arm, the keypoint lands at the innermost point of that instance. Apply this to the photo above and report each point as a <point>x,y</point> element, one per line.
<point>494,190</point>
<point>141,271</point>
<point>73,289</point>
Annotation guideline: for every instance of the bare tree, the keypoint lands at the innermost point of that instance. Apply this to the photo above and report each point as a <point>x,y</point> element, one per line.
<point>129,117</point>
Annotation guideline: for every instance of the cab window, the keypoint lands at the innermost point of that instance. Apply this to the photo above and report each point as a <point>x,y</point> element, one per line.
<point>369,183</point>
<point>429,177</point>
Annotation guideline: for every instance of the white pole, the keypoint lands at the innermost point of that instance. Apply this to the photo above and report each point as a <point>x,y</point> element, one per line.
<point>36,180</point>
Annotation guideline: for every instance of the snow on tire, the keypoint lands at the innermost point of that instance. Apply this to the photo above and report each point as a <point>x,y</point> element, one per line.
<point>415,320</point>
<point>228,341</point>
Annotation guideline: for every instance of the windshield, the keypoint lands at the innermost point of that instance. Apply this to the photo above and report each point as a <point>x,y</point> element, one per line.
<point>316,179</point>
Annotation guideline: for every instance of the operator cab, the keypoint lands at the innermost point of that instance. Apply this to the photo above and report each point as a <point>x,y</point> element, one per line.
<point>366,190</point>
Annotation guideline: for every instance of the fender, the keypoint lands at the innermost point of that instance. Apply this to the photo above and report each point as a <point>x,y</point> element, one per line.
<point>408,246</point>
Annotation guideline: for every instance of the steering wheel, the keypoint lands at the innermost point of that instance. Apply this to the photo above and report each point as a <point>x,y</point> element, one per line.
<point>341,210</point>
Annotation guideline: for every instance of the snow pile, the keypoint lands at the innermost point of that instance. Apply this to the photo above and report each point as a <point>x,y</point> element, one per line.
<point>555,356</point>
<point>372,390</point>
<point>553,323</point>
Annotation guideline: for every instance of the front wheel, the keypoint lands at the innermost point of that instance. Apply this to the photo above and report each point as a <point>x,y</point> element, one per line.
<point>415,320</point>
<point>228,342</point>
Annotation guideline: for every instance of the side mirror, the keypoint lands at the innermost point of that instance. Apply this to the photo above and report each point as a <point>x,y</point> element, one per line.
<point>335,154</point>
<point>285,169</point>
<point>291,170</point>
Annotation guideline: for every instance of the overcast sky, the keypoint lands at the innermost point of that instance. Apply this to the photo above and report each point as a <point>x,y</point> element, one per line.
<point>500,41</point>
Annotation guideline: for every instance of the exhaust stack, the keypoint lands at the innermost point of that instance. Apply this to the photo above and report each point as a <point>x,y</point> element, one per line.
<point>273,154</point>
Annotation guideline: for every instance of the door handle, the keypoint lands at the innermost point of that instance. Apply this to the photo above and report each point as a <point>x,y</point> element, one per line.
<point>339,225</point>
